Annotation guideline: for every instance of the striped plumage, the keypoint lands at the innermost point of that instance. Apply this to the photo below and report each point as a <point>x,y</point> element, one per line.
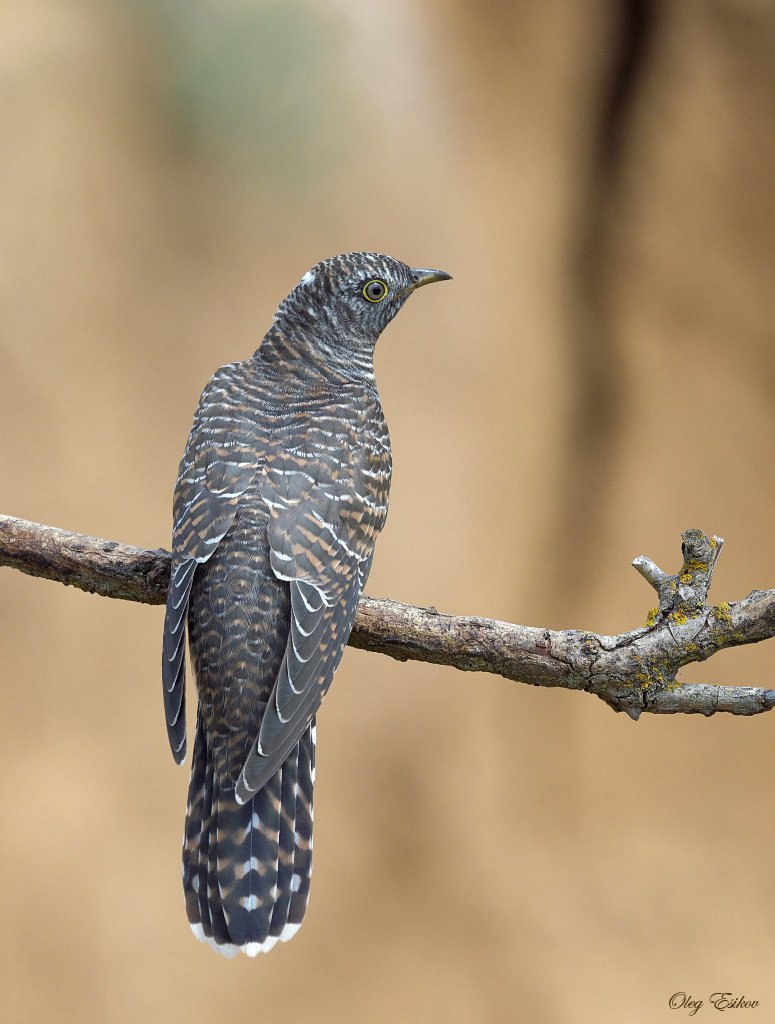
<point>283,488</point>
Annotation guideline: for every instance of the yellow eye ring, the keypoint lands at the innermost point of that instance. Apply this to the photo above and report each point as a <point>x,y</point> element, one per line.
<point>375,291</point>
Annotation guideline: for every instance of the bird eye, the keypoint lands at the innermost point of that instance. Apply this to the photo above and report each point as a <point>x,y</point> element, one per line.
<point>375,291</point>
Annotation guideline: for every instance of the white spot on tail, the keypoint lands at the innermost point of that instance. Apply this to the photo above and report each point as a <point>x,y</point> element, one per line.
<point>254,948</point>
<point>289,931</point>
<point>295,883</point>
<point>226,949</point>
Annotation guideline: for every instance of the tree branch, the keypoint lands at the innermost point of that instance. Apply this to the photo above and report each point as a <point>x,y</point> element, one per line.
<point>632,672</point>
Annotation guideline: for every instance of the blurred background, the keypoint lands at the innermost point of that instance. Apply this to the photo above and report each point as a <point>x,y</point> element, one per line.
<point>598,177</point>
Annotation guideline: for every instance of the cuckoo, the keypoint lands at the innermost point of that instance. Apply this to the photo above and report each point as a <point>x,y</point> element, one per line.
<point>282,490</point>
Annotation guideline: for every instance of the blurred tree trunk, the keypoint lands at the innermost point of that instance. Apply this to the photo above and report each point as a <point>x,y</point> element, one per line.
<point>667,244</point>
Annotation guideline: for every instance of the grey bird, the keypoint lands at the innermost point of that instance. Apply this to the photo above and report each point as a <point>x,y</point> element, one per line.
<point>282,490</point>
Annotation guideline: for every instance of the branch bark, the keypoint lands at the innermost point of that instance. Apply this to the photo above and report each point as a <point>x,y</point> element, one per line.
<point>633,672</point>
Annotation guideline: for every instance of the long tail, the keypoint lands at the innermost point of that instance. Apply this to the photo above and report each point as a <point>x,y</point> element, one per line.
<point>247,867</point>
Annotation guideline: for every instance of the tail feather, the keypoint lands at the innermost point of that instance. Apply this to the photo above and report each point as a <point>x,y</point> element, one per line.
<point>197,800</point>
<point>286,846</point>
<point>203,839</point>
<point>220,929</point>
<point>247,863</point>
<point>203,903</point>
<point>302,856</point>
<point>246,867</point>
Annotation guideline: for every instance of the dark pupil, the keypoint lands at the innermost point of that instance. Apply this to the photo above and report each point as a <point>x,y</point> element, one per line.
<point>375,290</point>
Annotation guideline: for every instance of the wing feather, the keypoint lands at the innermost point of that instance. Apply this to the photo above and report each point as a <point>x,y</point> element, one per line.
<point>323,525</point>
<point>222,455</point>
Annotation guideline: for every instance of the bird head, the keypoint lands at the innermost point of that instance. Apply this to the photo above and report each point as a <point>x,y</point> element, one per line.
<point>343,303</point>
<point>364,290</point>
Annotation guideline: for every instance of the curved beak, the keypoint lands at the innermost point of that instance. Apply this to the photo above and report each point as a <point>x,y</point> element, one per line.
<point>422,277</point>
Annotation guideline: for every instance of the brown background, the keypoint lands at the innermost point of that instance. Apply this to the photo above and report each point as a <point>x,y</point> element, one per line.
<point>598,177</point>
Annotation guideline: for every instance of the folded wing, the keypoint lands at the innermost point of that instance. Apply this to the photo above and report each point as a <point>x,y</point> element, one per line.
<point>224,452</point>
<point>327,508</point>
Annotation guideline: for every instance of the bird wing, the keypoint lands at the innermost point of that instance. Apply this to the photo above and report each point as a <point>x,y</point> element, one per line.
<point>222,456</point>
<point>328,502</point>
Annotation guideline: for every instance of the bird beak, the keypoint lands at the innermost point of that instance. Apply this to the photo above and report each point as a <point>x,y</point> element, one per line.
<point>422,277</point>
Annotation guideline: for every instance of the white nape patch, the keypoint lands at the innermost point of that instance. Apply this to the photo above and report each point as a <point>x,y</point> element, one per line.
<point>295,883</point>
<point>289,931</point>
<point>252,949</point>
<point>308,278</point>
<point>249,902</point>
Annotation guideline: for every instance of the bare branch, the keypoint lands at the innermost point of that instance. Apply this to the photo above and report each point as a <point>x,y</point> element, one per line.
<point>632,672</point>
<point>102,567</point>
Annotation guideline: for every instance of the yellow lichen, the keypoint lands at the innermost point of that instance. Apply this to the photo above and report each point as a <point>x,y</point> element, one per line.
<point>652,616</point>
<point>692,566</point>
<point>654,677</point>
<point>723,612</point>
